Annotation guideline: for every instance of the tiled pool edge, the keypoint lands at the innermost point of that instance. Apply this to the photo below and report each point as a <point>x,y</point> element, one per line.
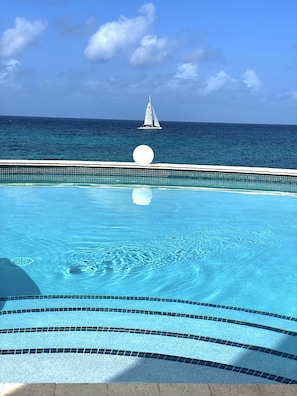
<point>155,166</point>
<point>160,174</point>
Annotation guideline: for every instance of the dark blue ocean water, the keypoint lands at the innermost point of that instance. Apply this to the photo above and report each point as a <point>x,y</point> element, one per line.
<point>272,146</point>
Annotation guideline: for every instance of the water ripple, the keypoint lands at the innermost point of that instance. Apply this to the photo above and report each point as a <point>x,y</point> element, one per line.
<point>186,248</point>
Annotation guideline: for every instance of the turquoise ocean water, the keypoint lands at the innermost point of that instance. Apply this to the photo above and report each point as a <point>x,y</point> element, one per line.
<point>272,146</point>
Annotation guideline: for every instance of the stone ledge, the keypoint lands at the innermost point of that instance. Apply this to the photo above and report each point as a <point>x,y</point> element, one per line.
<point>160,166</point>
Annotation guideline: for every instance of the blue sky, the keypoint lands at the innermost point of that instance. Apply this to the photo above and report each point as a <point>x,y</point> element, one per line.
<point>200,60</point>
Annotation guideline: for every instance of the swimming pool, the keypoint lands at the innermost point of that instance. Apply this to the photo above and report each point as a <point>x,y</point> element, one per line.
<point>221,247</point>
<point>186,276</point>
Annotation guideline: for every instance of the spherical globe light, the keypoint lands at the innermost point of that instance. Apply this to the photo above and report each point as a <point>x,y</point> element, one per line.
<point>143,155</point>
<point>142,196</point>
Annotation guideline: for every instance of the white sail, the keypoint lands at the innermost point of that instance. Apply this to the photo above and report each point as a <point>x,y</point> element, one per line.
<point>150,119</point>
<point>156,121</point>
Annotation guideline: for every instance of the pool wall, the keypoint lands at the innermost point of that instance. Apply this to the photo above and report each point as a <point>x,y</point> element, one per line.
<point>171,175</point>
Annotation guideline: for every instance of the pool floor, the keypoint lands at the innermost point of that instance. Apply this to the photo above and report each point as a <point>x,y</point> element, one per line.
<point>143,340</point>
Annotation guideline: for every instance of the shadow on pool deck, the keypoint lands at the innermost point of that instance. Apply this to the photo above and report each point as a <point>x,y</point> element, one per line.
<point>14,281</point>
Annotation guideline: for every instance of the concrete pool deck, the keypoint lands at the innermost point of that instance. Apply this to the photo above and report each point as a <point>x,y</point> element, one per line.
<point>159,389</point>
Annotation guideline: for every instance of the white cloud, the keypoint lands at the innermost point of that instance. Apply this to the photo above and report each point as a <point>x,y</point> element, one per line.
<point>8,70</point>
<point>219,81</point>
<point>151,51</point>
<point>186,71</point>
<point>119,35</point>
<point>15,40</point>
<point>251,80</point>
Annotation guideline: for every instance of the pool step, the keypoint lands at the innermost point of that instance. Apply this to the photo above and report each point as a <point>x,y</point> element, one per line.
<point>151,304</point>
<point>256,343</point>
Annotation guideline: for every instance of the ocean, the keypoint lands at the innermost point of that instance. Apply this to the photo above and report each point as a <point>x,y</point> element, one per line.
<point>273,146</point>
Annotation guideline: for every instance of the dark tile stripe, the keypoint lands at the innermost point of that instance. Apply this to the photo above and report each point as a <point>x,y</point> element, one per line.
<point>173,358</point>
<point>147,312</point>
<point>157,299</point>
<point>149,332</point>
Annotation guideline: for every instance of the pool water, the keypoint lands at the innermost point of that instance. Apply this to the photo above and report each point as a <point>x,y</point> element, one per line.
<point>231,248</point>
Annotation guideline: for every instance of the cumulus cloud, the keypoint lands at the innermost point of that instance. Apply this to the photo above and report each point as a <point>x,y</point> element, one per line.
<point>152,51</point>
<point>119,35</point>
<point>251,80</point>
<point>222,80</point>
<point>8,70</point>
<point>219,81</point>
<point>186,71</point>
<point>13,41</point>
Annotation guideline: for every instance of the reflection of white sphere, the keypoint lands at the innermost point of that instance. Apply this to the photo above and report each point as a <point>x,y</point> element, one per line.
<point>143,155</point>
<point>142,196</point>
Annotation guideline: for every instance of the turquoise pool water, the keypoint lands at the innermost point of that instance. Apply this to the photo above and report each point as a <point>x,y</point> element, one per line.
<point>223,247</point>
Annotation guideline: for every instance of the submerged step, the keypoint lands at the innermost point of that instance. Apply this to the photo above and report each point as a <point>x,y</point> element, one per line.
<point>121,368</point>
<point>154,304</point>
<point>210,328</point>
<point>132,325</point>
<point>45,342</point>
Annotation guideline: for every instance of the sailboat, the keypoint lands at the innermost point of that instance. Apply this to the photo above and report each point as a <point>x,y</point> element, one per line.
<point>150,119</point>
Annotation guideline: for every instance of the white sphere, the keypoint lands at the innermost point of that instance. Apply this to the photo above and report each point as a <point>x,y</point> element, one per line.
<point>143,155</point>
<point>142,196</point>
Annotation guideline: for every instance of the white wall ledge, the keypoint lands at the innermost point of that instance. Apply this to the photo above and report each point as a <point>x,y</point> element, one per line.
<point>160,166</point>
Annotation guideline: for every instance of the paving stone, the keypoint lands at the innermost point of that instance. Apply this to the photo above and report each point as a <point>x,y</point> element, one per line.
<point>15,389</point>
<point>81,390</point>
<point>184,390</point>
<point>278,390</point>
<point>234,390</point>
<point>133,389</point>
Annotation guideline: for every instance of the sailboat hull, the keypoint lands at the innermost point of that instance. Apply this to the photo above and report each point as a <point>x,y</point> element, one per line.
<point>149,127</point>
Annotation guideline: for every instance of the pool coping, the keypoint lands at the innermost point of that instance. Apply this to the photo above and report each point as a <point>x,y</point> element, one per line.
<point>53,171</point>
<point>156,166</point>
